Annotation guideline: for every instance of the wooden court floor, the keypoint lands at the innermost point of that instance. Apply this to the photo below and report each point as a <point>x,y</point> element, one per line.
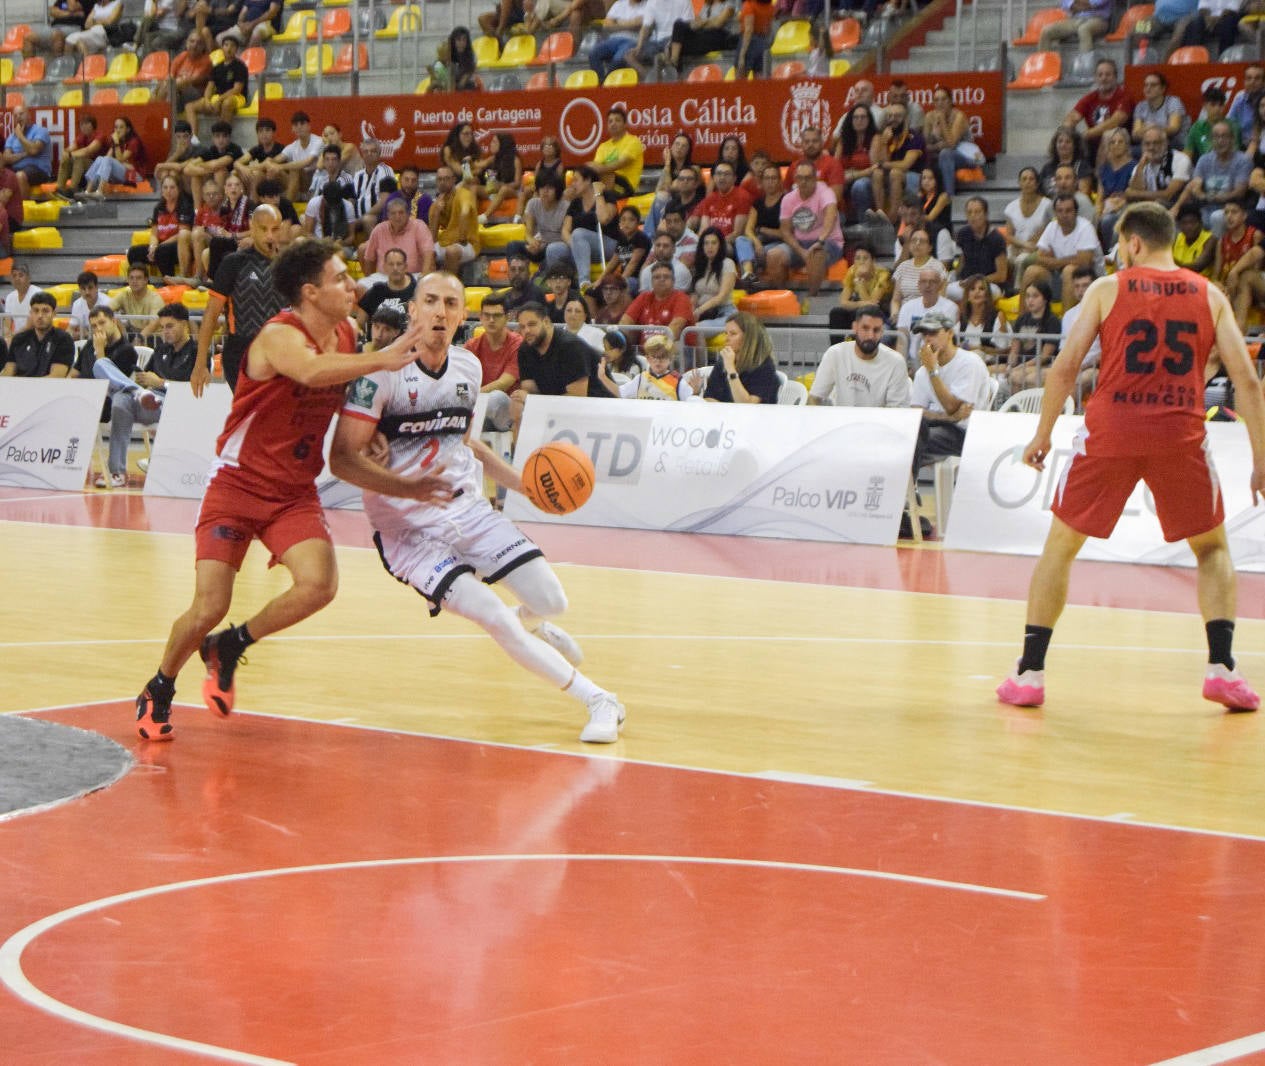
<point>820,839</point>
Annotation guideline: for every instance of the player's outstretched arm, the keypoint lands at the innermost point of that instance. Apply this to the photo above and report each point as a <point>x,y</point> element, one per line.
<point>349,460</point>
<point>282,349</point>
<point>494,466</point>
<point>1249,403</point>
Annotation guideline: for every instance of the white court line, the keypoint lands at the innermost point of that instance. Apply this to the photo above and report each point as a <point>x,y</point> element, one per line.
<point>1227,1052</point>
<point>12,975</point>
<point>46,496</point>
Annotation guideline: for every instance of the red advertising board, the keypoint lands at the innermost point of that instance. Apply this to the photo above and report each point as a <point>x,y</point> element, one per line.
<point>1187,81</point>
<point>151,121</point>
<point>765,114</point>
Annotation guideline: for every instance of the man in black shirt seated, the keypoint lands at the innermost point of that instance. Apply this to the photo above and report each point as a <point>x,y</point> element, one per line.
<point>41,350</point>
<point>551,361</point>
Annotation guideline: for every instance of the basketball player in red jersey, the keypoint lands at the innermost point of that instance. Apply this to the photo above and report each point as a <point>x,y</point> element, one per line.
<point>263,479</point>
<point>1157,323</point>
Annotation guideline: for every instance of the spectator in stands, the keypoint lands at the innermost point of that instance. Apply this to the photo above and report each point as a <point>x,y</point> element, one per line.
<point>811,234</point>
<point>17,304</point>
<point>170,249</point>
<point>1108,106</point>
<point>745,371</point>
<point>551,361</point>
<point>1026,218</point>
<point>866,284</point>
<point>28,150</point>
<point>503,174</point>
<point>1215,24</point>
<point>1113,180</point>
<point>234,230</point>
<point>175,355</point>
<point>623,376</point>
<point>225,93</point>
<point>213,17</point>
<point>1162,172</point>
<point>242,286</point>
<point>906,276</point>
<point>662,304</point>
<point>454,221</point>
<point>856,136</point>
<point>522,290</point>
<point>983,251</point>
<point>1030,354</point>
<point>89,143</point>
<point>1087,379</point>
<point>947,133</point>
<point>298,161</point>
<point>89,299</point>
<point>655,35</point>
<point>715,273</point>
<point>896,153</point>
<point>930,299</point>
<point>14,214</point>
<point>497,351</point>
<point>560,286</point>
<point>685,240</point>
<point>592,223</point>
<point>1067,243</point>
<point>981,327</point>
<point>460,150</point>
<point>663,250</point>
<point>631,248</point>
<point>1245,109</point>
<point>107,355</point>
<point>1237,267</point>
<point>936,213</point>
<point>190,74</point>
<point>366,183</point>
<point>756,167</point>
<point>1067,149</point>
<point>164,27</point>
<point>182,151</point>
<point>138,304</point>
<point>577,319</point>
<point>95,35</point>
<point>331,170</point>
<point>1194,247</point>
<point>612,300</point>
<point>208,222</point>
<point>950,383</point>
<point>64,16</point>
<point>41,350</point>
<point>1087,20</point>
<point>756,21</point>
<point>863,372</point>
<point>550,165</point>
<point>455,64</point>
<point>1199,137</point>
<point>214,161</point>
<point>417,202</point>
<point>677,156</point>
<point>545,223</point>
<point>1221,176</point>
<point>731,151</point>
<point>332,136</point>
<point>762,229</point>
<point>688,194</point>
<point>623,24</point>
<point>408,235</point>
<point>395,290</point>
<point>618,159</point>
<point>263,160</point>
<point>711,30</point>
<point>1159,107</point>
<point>827,167</point>
<point>726,207</point>
<point>257,21</point>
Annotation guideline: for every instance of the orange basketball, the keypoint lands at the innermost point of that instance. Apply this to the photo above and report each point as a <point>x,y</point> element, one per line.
<point>558,477</point>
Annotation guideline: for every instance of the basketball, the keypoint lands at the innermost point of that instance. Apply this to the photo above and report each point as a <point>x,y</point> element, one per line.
<point>558,478</point>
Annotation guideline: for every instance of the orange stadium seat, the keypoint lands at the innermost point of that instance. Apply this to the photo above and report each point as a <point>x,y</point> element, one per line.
<point>791,68</point>
<point>106,266</point>
<point>539,80</point>
<point>558,48</point>
<point>1129,20</point>
<point>14,37</point>
<point>773,303</point>
<point>705,72</point>
<point>255,58</point>
<point>336,23</point>
<point>105,96</point>
<point>347,55</point>
<point>1039,70</point>
<point>30,71</point>
<point>91,68</point>
<point>845,34</point>
<point>1191,53</point>
<point>1039,21</point>
<point>155,67</point>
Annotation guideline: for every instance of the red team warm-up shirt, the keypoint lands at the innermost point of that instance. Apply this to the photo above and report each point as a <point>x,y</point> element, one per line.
<point>274,434</point>
<point>1155,344</point>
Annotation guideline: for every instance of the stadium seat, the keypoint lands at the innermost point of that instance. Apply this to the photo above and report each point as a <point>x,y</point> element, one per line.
<point>300,26</point>
<point>772,303</point>
<point>1028,401</point>
<point>1039,70</point>
<point>498,270</point>
<point>539,80</point>
<point>791,393</point>
<point>139,237</point>
<point>217,57</point>
<point>71,98</point>
<point>790,68</point>
<point>195,299</point>
<point>172,293</point>
<point>404,19</point>
<point>494,238</point>
<point>335,23</point>
<point>732,73</point>
<point>256,59</point>
<point>347,55</point>
<point>14,36</point>
<point>1190,53</point>
<point>123,67</point>
<point>845,34</point>
<point>6,70</point>
<point>487,50</point>
<point>140,94</point>
<point>1239,53</point>
<point>641,202</point>
<point>317,59</point>
<point>582,79</point>
<point>1129,20</point>
<point>282,60</point>
<point>506,83</point>
<point>154,67</point>
<point>40,238</point>
<point>29,72</point>
<point>793,38</point>
<point>64,294</point>
<point>107,266</point>
<point>519,50</point>
<point>558,48</point>
<point>474,297</point>
<point>1039,21</point>
<point>705,72</point>
<point>839,67</point>
<point>273,90</point>
<point>103,97</point>
<point>1080,72</point>
<point>12,100</point>
<point>40,211</point>
<point>91,68</point>
<point>621,76</point>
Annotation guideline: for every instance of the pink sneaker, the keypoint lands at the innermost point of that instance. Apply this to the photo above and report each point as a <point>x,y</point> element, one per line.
<point>1023,690</point>
<point>1229,688</point>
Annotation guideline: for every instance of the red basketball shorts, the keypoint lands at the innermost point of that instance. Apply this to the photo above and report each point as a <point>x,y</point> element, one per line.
<point>232,516</point>
<point>1094,489</point>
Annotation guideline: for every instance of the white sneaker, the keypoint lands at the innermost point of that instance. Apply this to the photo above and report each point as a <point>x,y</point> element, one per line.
<point>606,719</point>
<point>144,465</point>
<point>115,481</point>
<point>561,641</point>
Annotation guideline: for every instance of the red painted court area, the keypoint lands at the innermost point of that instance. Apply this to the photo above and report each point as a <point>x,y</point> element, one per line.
<point>352,896</point>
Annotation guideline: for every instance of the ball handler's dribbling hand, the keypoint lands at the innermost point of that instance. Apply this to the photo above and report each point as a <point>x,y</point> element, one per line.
<point>1035,453</point>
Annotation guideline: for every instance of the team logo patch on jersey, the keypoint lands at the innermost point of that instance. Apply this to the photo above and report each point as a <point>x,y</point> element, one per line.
<point>463,393</point>
<point>362,393</point>
<point>412,397</point>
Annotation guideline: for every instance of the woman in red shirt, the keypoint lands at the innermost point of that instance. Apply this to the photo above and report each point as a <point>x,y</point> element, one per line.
<point>124,163</point>
<point>170,247</point>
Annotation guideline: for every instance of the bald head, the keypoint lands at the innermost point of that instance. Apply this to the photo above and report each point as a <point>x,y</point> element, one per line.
<point>265,225</point>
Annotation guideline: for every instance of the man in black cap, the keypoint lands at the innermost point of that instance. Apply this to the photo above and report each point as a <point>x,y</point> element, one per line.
<point>949,385</point>
<point>388,322</point>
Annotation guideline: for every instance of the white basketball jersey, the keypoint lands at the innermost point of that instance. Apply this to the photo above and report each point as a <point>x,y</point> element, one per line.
<point>425,418</point>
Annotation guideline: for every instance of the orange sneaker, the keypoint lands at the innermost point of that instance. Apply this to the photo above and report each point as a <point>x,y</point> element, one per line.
<point>153,717</point>
<point>219,689</point>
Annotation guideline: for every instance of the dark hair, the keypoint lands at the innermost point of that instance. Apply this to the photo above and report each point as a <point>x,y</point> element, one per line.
<point>1064,196</point>
<point>978,200</point>
<point>740,164</point>
<point>869,311</point>
<point>1079,152</point>
<point>617,111</point>
<point>616,339</point>
<point>333,217</point>
<point>462,62</point>
<point>675,207</point>
<point>1043,287</point>
<point>714,266</point>
<point>91,120</point>
<point>263,124</point>
<point>672,165</point>
<point>452,143</point>
<point>102,309</point>
<point>176,311</point>
<point>535,307</point>
<point>848,137</point>
<point>549,181</point>
<point>935,171</point>
<point>179,126</point>
<point>503,163</point>
<point>222,126</point>
<point>1190,209</point>
<point>410,167</point>
<point>86,277</point>
<point>43,299</point>
<point>492,299</point>
<point>389,185</point>
<point>1084,272</point>
<point>1213,95</point>
<point>1149,221</point>
<point>332,149</point>
<point>863,246</point>
<point>588,173</point>
<point>268,187</point>
<point>301,264</point>
<point>576,298</point>
<point>300,116</point>
<point>629,209</point>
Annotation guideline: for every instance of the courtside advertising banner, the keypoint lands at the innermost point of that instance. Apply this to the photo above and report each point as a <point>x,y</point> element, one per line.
<point>48,427</point>
<point>1000,505</point>
<point>184,444</point>
<point>797,473</point>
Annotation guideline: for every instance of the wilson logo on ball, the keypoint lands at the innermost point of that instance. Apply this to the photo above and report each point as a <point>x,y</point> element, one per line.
<point>558,478</point>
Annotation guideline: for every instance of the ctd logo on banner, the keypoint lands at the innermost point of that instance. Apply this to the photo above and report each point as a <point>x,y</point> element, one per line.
<point>830,474</point>
<point>47,427</point>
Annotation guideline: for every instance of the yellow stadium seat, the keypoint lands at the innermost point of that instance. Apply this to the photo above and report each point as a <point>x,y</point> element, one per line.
<point>582,79</point>
<point>41,238</point>
<point>794,37</point>
<point>404,19</point>
<point>123,67</point>
<point>47,211</point>
<point>273,90</point>
<point>355,270</point>
<point>621,76</point>
<point>475,294</point>
<point>641,203</point>
<point>217,57</point>
<point>140,236</point>
<point>6,70</point>
<point>64,294</point>
<point>487,50</point>
<point>316,59</point>
<point>732,73</point>
<point>71,98</point>
<point>519,50</point>
<point>195,299</point>
<point>423,86</point>
<point>140,95</point>
<point>839,67</point>
<point>492,238</point>
<point>300,26</point>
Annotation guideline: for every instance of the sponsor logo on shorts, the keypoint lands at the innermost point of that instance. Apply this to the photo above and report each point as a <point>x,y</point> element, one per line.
<point>229,533</point>
<point>522,541</point>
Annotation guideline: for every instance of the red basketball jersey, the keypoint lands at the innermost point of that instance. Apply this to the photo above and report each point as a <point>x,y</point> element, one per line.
<point>1155,342</point>
<point>275,431</point>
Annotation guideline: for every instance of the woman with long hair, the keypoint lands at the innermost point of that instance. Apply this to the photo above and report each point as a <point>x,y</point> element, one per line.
<point>123,163</point>
<point>455,65</point>
<point>937,208</point>
<point>1067,149</point>
<point>1029,357</point>
<point>981,327</point>
<point>715,273</point>
<point>234,229</point>
<point>618,365</point>
<point>502,173</point>
<point>854,146</point>
<point>731,151</point>
<point>460,151</point>
<point>746,371</point>
<point>676,156</point>
<point>551,164</point>
<point>947,132</point>
<point>169,247</point>
<point>1026,218</point>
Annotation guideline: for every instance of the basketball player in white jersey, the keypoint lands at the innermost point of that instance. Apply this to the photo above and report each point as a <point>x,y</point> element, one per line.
<point>426,411</point>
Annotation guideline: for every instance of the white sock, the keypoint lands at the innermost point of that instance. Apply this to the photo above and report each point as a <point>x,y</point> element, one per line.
<point>580,687</point>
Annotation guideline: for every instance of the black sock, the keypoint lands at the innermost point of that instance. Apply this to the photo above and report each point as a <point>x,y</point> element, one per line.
<point>1220,637</point>
<point>161,685</point>
<point>1036,640</point>
<point>236,639</point>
